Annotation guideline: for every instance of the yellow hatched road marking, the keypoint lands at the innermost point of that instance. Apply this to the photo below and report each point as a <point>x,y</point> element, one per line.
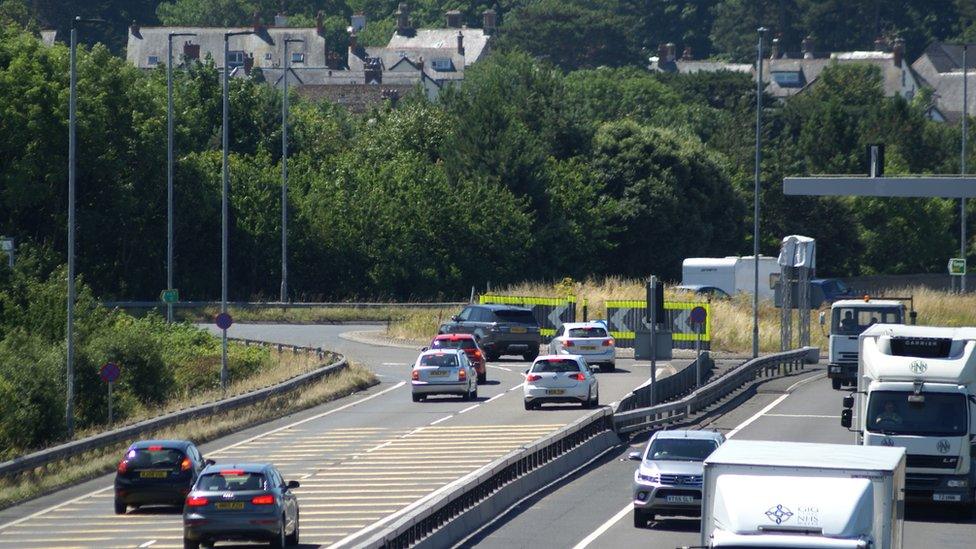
<point>357,513</point>
<point>339,482</point>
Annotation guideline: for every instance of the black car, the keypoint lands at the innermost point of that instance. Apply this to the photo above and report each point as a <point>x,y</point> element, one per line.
<point>499,329</point>
<point>157,472</point>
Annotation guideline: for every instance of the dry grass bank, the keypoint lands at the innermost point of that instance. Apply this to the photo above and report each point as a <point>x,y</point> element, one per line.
<point>311,315</point>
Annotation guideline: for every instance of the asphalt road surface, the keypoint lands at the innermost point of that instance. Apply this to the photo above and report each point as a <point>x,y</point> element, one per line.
<point>358,459</point>
<point>593,507</point>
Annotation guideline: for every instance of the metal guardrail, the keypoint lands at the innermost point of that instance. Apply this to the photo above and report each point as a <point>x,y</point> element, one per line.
<point>76,447</point>
<point>765,366</point>
<point>670,387</point>
<point>420,519</point>
<point>279,305</point>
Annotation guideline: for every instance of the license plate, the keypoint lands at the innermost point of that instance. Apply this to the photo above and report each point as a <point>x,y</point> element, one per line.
<point>679,499</point>
<point>153,474</point>
<point>586,347</point>
<point>518,330</point>
<point>946,497</point>
<point>439,373</point>
<point>555,391</point>
<point>230,505</point>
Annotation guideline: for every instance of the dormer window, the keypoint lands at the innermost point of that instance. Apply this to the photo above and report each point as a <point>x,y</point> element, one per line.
<point>788,79</point>
<point>153,60</point>
<point>442,64</point>
<point>235,59</point>
<point>297,57</point>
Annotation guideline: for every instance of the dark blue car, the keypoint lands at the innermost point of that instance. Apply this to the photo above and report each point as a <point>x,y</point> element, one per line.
<point>157,472</point>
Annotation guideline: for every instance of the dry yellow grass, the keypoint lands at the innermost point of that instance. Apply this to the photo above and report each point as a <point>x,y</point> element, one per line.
<point>731,318</point>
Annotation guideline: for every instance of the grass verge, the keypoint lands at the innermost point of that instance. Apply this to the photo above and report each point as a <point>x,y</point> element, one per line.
<point>88,465</point>
<point>314,315</point>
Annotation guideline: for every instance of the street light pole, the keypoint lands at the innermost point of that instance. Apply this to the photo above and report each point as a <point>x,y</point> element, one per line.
<point>69,408</point>
<point>284,175</point>
<point>169,169</point>
<point>755,205</point>
<point>962,201</point>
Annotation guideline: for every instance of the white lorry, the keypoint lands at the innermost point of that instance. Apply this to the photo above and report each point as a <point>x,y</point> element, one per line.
<point>916,387</point>
<point>794,495</point>
<point>848,318</point>
<point>732,274</point>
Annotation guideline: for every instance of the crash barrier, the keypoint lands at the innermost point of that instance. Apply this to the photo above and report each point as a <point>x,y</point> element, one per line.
<point>626,316</point>
<point>669,388</point>
<point>129,432</point>
<point>454,511</point>
<point>642,419</point>
<point>550,312</point>
<point>278,305</point>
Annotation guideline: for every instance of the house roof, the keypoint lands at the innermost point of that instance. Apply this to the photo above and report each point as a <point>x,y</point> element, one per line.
<point>683,66</point>
<point>267,46</point>
<point>48,36</point>
<point>948,57</point>
<point>892,77</point>
<point>949,92</point>
<point>475,42</point>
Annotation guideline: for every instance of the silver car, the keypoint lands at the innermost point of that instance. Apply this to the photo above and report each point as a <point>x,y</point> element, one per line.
<point>444,371</point>
<point>669,479</point>
<point>560,378</point>
<point>590,340</point>
<point>241,502</point>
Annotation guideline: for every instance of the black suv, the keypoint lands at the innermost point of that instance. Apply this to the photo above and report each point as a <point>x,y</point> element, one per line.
<point>500,330</point>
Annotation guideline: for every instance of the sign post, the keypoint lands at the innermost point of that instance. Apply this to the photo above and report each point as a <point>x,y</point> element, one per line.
<point>224,321</point>
<point>109,372</point>
<point>697,320</point>
<point>652,320</point>
<point>957,266</point>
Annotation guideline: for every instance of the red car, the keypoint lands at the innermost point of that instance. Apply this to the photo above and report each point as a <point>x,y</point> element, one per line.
<point>469,344</point>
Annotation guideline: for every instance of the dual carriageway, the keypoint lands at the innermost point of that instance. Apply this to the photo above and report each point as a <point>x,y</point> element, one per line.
<point>367,456</point>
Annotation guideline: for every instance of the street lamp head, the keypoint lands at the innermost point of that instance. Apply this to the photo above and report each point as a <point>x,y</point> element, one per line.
<point>762,30</point>
<point>172,34</point>
<point>236,33</point>
<point>293,40</point>
<point>79,20</point>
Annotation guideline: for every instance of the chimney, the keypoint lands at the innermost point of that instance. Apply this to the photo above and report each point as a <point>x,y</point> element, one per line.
<point>671,55</point>
<point>358,21</point>
<point>460,41</point>
<point>353,41</point>
<point>807,47</point>
<point>880,44</point>
<point>488,21</point>
<point>453,19</point>
<point>319,26</point>
<point>662,55</point>
<point>898,51</point>
<point>774,53</point>
<point>686,55</point>
<point>248,63</point>
<point>134,29</point>
<point>403,19</point>
<point>191,51</point>
<point>281,20</point>
<point>258,24</point>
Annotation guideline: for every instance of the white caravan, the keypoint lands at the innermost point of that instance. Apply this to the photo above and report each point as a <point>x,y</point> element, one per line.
<point>848,318</point>
<point>916,390</point>
<point>795,495</point>
<point>731,274</point>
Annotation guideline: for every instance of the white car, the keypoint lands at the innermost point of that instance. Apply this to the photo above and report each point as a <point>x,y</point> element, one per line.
<point>560,378</point>
<point>444,371</point>
<point>587,339</point>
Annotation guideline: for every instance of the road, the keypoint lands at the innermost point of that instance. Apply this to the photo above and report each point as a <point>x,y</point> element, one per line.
<point>359,458</point>
<point>592,508</point>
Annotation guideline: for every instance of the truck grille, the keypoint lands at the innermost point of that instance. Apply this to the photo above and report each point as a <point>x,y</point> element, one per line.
<point>682,480</point>
<point>932,462</point>
<point>921,480</point>
<point>848,357</point>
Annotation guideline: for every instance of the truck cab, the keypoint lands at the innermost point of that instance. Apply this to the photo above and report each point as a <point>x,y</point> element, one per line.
<point>916,390</point>
<point>848,318</point>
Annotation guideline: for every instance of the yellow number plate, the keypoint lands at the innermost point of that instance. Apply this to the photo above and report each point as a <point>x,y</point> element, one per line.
<point>153,474</point>
<point>555,391</point>
<point>518,330</point>
<point>230,505</point>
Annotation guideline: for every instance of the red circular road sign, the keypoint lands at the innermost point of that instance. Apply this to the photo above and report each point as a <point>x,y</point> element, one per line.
<point>698,315</point>
<point>109,372</point>
<point>224,321</point>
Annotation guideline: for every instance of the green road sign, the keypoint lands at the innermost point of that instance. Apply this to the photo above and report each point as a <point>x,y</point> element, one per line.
<point>169,296</point>
<point>957,266</point>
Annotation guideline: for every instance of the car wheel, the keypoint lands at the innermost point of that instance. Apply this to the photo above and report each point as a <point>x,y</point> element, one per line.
<point>595,403</point>
<point>279,541</point>
<point>292,539</point>
<point>641,518</point>
<point>416,397</point>
<point>529,405</point>
<point>190,544</point>
<point>466,396</point>
<point>964,512</point>
<point>530,356</point>
<point>492,356</point>
<point>610,367</point>
<point>474,393</point>
<point>483,378</point>
<point>120,507</point>
<point>835,383</point>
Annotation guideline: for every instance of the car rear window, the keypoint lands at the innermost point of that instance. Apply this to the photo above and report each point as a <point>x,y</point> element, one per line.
<point>231,481</point>
<point>556,365</point>
<point>156,457</point>
<point>515,315</point>
<point>454,344</point>
<point>441,361</point>
<point>592,331</point>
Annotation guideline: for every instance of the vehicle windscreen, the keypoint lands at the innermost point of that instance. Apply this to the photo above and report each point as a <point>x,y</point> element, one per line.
<point>680,449</point>
<point>145,458</point>
<point>440,361</point>
<point>835,287</point>
<point>587,332</point>
<point>853,321</point>
<point>941,414</point>
<point>556,366</point>
<point>231,481</point>
<point>454,344</point>
<point>515,315</point>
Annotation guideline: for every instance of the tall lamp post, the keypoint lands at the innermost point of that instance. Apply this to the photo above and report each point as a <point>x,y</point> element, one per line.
<point>224,195</point>
<point>962,201</point>
<point>284,174</point>
<point>755,203</point>
<point>169,168</point>
<point>69,408</point>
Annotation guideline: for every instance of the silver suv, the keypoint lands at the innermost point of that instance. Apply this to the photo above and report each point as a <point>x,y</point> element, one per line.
<point>499,329</point>
<point>669,479</point>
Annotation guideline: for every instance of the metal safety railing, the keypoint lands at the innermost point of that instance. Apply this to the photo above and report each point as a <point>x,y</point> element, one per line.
<point>671,387</point>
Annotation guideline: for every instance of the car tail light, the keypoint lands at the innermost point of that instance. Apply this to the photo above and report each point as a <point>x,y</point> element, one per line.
<point>462,375</point>
<point>577,377</point>
<point>123,467</point>
<point>533,377</point>
<point>568,343</point>
<point>608,343</point>
<point>155,448</point>
<point>232,472</point>
<point>185,464</point>
<point>196,501</point>
<point>415,375</point>
<point>263,499</point>
<point>477,353</point>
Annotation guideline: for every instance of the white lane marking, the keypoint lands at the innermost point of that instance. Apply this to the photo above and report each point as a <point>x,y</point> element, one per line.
<point>445,418</point>
<point>148,543</point>
<point>517,386</point>
<point>604,527</point>
<point>469,408</point>
<point>111,487</point>
<point>384,445</point>
<point>500,368</point>
<point>803,415</point>
<point>499,395</point>
<point>395,364</point>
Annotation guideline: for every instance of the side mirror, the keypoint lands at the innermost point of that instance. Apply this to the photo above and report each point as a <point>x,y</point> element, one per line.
<point>823,318</point>
<point>634,456</point>
<point>422,349</point>
<point>455,318</point>
<point>209,462</point>
<point>845,418</point>
<point>848,402</point>
<point>526,371</point>
<point>292,484</point>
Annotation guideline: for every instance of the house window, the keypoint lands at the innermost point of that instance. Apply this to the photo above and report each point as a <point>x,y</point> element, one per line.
<point>267,57</point>
<point>442,64</point>
<point>153,59</point>
<point>235,59</point>
<point>297,57</point>
<point>788,79</point>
